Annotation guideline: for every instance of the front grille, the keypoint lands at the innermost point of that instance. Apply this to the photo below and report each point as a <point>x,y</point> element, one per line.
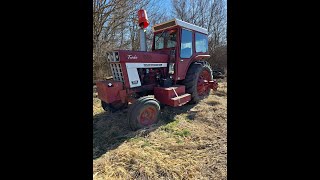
<point>116,72</point>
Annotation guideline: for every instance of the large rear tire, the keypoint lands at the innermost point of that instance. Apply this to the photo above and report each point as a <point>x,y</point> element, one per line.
<point>143,113</point>
<point>197,81</point>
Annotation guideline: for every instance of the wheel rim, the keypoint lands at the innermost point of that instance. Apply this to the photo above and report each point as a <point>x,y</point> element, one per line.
<point>203,83</point>
<point>148,116</point>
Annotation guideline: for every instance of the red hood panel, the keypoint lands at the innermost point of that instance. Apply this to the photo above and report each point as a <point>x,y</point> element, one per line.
<point>142,56</point>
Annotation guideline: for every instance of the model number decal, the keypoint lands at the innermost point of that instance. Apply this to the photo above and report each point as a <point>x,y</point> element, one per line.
<point>134,82</point>
<point>148,65</point>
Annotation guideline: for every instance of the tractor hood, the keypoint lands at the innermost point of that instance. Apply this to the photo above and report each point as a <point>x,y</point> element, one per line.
<point>137,56</point>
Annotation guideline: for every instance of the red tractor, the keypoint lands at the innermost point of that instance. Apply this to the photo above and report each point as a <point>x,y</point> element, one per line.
<point>175,72</point>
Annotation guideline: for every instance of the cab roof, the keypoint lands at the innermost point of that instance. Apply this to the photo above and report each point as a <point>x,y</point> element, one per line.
<point>178,22</point>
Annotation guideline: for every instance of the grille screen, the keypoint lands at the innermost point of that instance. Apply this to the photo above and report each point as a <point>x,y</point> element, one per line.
<point>116,72</point>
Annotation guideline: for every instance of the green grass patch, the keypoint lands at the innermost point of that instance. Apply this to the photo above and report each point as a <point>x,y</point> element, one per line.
<point>146,143</point>
<point>170,127</point>
<point>183,133</point>
<point>139,139</point>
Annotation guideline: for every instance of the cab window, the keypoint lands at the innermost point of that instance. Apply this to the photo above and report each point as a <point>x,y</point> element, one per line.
<point>186,44</point>
<point>166,39</point>
<point>201,42</point>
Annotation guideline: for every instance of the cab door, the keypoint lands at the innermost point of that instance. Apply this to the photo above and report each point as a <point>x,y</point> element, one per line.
<point>184,54</point>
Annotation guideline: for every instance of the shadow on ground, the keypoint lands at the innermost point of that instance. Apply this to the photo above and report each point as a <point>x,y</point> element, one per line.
<point>110,130</point>
<point>220,93</point>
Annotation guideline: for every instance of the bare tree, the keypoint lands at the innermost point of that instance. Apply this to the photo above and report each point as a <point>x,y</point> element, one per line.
<point>115,24</point>
<point>210,14</point>
<point>180,9</point>
<point>107,17</point>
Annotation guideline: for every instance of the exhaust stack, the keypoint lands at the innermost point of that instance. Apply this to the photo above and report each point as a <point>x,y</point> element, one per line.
<point>143,23</point>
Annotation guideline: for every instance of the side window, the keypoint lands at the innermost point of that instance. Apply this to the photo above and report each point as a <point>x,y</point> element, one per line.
<point>201,43</point>
<point>171,40</point>
<point>159,41</point>
<point>186,44</point>
<point>172,37</point>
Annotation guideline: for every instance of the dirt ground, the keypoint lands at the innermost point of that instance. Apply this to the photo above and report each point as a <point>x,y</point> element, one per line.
<point>189,142</point>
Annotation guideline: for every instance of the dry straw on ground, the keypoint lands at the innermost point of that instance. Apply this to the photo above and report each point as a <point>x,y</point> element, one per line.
<point>189,142</point>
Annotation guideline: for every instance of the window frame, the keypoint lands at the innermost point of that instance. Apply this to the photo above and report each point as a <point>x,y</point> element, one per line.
<point>195,42</point>
<point>192,44</point>
<point>165,41</point>
<point>155,46</point>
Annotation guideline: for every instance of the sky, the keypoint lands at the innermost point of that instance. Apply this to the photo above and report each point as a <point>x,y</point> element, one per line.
<point>165,5</point>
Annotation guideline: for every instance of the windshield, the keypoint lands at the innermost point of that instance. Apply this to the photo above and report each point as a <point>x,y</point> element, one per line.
<point>166,39</point>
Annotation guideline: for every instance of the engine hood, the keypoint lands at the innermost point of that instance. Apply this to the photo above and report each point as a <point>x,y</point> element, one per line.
<point>123,56</point>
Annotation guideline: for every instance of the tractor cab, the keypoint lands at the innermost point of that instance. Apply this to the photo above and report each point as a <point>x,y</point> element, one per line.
<point>184,42</point>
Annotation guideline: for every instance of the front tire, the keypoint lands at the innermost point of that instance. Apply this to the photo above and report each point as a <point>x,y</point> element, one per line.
<point>143,113</point>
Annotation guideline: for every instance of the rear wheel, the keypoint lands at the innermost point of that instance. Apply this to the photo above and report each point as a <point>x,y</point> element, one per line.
<point>143,113</point>
<point>197,81</point>
<point>113,107</point>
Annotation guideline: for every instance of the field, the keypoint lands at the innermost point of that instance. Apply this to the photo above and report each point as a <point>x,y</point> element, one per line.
<point>189,142</point>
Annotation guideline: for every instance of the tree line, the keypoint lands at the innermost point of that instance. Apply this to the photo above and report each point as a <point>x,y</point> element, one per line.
<point>115,26</point>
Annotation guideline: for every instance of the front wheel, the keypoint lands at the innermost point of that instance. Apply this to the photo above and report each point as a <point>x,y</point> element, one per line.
<point>143,113</point>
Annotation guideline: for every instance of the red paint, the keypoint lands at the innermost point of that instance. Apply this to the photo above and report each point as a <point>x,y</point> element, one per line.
<point>109,94</point>
<point>179,101</point>
<point>203,82</point>
<point>147,116</point>
<point>182,64</point>
<point>143,18</point>
<point>122,91</point>
<point>142,57</point>
<point>168,96</point>
<point>123,96</point>
<point>213,85</point>
<point>126,56</point>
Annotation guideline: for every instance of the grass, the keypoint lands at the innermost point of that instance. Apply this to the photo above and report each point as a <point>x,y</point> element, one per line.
<point>189,142</point>
<point>183,133</point>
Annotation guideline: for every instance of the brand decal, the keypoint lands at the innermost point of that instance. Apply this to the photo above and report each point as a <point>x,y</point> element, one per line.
<point>132,57</point>
<point>148,65</point>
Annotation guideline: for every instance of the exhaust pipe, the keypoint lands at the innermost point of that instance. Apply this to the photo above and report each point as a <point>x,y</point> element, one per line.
<point>143,40</point>
<point>143,23</point>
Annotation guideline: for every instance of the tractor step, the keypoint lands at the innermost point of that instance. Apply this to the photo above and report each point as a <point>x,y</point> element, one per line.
<point>172,96</point>
<point>180,100</point>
